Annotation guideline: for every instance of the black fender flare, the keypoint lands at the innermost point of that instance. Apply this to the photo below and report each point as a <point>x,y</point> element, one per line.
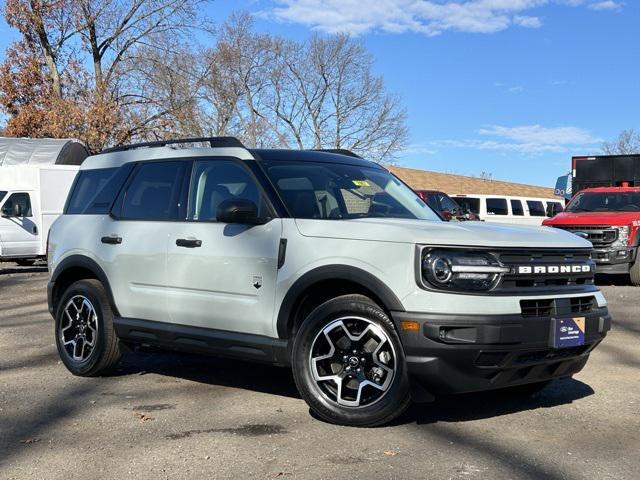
<point>80,261</point>
<point>333,272</point>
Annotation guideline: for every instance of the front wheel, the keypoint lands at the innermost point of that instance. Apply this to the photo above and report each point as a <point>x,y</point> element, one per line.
<point>87,343</point>
<point>634,272</point>
<point>348,363</point>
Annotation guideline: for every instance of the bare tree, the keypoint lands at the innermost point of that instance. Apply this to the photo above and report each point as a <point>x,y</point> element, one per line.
<point>326,96</point>
<point>628,142</point>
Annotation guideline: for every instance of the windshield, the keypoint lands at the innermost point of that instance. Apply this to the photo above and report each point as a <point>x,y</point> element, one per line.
<point>338,191</point>
<point>605,202</point>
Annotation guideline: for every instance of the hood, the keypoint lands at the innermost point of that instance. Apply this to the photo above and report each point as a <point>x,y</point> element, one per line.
<point>593,218</point>
<point>477,234</point>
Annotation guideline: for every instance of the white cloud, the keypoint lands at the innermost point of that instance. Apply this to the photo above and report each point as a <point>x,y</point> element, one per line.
<point>430,17</point>
<point>529,139</point>
<point>606,5</point>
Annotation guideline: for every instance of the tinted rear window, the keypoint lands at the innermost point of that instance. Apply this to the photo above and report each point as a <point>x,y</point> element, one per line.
<point>516,207</point>
<point>536,208</point>
<point>497,206</point>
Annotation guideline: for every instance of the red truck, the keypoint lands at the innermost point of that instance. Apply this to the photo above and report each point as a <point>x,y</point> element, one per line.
<point>605,209</point>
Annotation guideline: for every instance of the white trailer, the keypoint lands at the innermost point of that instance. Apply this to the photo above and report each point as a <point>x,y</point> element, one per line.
<point>35,179</point>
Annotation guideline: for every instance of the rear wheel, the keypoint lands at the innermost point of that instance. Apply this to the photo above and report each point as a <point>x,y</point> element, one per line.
<point>349,365</point>
<point>87,343</point>
<point>634,272</point>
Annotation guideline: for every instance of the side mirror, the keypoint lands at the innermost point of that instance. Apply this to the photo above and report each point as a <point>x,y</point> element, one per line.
<point>238,210</point>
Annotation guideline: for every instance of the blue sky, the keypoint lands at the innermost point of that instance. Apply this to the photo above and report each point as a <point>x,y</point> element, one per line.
<point>509,87</point>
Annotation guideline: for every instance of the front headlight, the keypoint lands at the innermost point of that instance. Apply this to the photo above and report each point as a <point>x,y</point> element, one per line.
<point>457,270</point>
<point>623,237</point>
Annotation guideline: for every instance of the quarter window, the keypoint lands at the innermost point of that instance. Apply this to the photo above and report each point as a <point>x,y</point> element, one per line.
<point>87,186</point>
<point>497,206</point>
<point>536,208</point>
<point>154,192</point>
<point>21,199</point>
<point>213,182</point>
<point>516,208</point>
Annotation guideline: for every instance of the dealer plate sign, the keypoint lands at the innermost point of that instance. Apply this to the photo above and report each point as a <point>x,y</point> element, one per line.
<point>569,332</point>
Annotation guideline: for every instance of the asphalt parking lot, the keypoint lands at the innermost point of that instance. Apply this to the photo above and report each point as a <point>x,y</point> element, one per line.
<point>165,415</point>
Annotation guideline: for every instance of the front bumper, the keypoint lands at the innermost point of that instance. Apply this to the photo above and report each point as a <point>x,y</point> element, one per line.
<point>614,260</point>
<point>456,354</point>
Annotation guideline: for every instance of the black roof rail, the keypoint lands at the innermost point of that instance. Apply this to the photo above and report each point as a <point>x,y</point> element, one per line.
<point>218,142</point>
<point>340,151</point>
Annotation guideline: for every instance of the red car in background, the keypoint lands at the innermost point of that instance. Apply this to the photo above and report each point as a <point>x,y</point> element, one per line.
<point>446,206</point>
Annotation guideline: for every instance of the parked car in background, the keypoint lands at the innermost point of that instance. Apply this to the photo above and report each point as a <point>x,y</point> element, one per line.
<point>447,207</point>
<point>509,209</point>
<point>35,178</point>
<point>606,211</point>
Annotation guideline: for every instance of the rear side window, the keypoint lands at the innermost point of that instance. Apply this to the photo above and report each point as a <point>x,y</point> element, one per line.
<point>553,208</point>
<point>88,184</point>
<point>536,208</point>
<point>497,206</point>
<point>154,191</point>
<point>516,208</point>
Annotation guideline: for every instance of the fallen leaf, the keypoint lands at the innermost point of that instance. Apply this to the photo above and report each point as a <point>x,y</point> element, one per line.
<point>143,417</point>
<point>29,441</point>
<point>390,453</point>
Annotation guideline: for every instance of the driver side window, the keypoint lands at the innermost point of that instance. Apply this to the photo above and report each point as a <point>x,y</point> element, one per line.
<point>213,182</point>
<point>17,199</point>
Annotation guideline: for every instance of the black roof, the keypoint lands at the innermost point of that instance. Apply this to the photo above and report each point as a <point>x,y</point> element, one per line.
<point>284,155</point>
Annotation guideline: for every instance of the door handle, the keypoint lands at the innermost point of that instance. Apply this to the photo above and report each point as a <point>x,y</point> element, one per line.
<point>112,240</point>
<point>188,242</point>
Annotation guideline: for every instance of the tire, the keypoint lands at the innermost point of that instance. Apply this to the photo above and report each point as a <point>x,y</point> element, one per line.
<point>634,272</point>
<point>367,361</point>
<point>26,263</point>
<point>96,349</point>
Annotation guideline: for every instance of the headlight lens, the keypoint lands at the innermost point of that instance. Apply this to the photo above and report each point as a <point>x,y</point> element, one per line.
<point>623,237</point>
<point>461,271</point>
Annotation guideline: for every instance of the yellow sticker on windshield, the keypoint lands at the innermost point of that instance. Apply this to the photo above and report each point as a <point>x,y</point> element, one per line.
<point>361,183</point>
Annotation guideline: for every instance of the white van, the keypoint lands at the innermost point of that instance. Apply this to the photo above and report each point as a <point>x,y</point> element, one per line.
<point>35,178</point>
<point>31,198</point>
<point>508,209</point>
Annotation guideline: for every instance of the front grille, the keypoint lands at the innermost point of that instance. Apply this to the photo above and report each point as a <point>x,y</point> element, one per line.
<point>549,307</point>
<point>516,282</point>
<point>598,235</point>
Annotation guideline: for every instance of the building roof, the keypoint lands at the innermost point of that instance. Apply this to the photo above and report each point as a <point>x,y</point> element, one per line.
<point>450,184</point>
<point>41,151</point>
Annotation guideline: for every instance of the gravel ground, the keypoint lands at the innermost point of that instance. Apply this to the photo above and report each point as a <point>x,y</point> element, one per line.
<point>178,416</point>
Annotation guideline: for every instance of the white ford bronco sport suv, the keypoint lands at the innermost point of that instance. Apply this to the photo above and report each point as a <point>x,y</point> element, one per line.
<point>318,260</point>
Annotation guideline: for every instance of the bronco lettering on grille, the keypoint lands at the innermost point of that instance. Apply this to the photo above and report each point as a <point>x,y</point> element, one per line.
<point>552,269</point>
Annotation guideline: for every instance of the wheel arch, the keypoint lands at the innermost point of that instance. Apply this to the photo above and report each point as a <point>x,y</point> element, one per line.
<point>72,269</point>
<point>323,283</point>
